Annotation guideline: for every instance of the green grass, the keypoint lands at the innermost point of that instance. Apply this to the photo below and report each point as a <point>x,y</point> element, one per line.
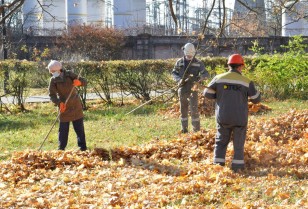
<point>105,126</point>
<point>280,107</point>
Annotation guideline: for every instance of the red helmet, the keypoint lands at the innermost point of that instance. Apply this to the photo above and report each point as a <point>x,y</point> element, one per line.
<point>236,59</point>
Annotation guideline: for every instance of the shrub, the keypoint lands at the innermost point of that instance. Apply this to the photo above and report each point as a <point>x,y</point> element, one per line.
<point>279,75</point>
<point>283,75</point>
<point>21,76</point>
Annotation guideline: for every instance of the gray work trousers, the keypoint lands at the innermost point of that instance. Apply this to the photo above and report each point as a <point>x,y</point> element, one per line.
<point>223,137</point>
<point>189,99</point>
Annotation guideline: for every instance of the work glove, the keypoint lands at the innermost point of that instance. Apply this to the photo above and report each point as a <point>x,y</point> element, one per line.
<point>76,82</point>
<point>196,86</point>
<point>182,81</point>
<point>62,107</point>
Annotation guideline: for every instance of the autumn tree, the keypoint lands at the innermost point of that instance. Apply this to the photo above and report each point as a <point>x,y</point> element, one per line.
<point>255,28</point>
<point>91,42</point>
<point>256,19</point>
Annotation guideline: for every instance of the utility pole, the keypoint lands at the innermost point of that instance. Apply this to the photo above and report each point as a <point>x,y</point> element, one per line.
<point>4,49</point>
<point>219,13</point>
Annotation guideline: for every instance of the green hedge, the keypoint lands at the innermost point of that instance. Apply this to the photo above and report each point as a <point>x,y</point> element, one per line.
<point>279,76</point>
<point>21,75</point>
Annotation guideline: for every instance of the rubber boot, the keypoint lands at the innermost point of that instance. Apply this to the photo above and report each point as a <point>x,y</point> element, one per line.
<point>184,123</point>
<point>196,124</point>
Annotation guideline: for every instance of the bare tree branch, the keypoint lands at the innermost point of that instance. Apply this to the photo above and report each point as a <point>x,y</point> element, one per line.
<point>12,7</point>
<point>291,6</point>
<point>248,7</point>
<point>222,27</point>
<point>208,16</point>
<point>173,14</point>
<point>44,10</point>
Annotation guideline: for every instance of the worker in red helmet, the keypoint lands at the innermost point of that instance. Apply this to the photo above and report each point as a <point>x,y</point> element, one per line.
<point>231,90</point>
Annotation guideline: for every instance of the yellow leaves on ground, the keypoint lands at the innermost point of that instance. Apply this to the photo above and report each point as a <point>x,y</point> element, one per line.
<point>230,205</point>
<point>167,174</point>
<point>255,108</point>
<point>207,107</point>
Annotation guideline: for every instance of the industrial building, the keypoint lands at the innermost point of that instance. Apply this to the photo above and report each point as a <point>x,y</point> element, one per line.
<point>50,17</point>
<point>252,11</point>
<point>129,13</point>
<point>293,22</point>
<point>53,16</point>
<point>150,16</point>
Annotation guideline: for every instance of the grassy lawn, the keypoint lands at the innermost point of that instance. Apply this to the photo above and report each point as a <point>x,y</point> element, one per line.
<point>105,126</point>
<point>152,166</point>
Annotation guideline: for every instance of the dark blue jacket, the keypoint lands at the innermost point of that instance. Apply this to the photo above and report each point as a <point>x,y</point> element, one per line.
<point>231,91</point>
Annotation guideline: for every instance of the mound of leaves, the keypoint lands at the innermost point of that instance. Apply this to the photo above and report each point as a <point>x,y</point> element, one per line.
<point>206,107</point>
<point>176,173</point>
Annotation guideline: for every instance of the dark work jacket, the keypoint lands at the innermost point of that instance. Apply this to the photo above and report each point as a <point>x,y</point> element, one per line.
<point>231,91</point>
<point>59,90</point>
<point>195,72</point>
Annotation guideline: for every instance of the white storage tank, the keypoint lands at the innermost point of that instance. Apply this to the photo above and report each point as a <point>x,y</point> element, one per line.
<point>96,12</point>
<point>76,12</point>
<point>32,17</point>
<point>293,22</point>
<point>129,13</point>
<point>54,16</point>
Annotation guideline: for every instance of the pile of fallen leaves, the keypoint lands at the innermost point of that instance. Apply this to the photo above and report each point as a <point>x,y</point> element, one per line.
<point>206,107</point>
<point>167,174</point>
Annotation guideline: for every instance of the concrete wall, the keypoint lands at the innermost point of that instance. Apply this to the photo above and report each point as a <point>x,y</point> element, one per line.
<point>164,47</point>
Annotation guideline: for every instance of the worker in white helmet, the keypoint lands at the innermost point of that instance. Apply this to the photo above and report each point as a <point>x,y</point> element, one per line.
<point>186,72</point>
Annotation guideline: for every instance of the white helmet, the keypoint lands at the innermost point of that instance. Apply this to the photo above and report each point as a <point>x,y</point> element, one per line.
<point>189,49</point>
<point>54,66</point>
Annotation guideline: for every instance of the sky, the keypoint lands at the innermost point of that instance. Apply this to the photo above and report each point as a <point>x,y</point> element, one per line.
<point>229,3</point>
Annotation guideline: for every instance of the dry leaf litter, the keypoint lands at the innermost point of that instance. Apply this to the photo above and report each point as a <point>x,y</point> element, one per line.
<point>167,174</point>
